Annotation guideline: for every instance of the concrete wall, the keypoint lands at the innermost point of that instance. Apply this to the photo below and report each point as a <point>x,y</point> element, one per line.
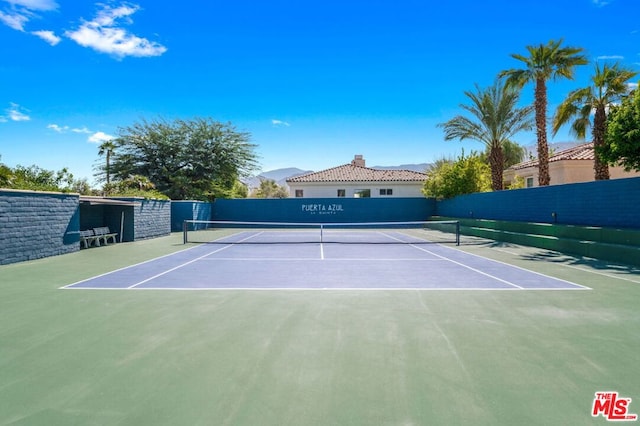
<point>610,203</point>
<point>37,224</point>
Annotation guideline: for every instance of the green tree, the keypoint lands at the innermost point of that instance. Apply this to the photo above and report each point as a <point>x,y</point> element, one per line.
<point>622,146</point>
<point>270,189</point>
<point>133,186</point>
<point>6,175</point>
<point>609,85</point>
<point>239,190</point>
<point>495,119</point>
<point>107,148</point>
<point>197,159</point>
<point>545,62</point>
<point>466,175</point>
<point>513,153</point>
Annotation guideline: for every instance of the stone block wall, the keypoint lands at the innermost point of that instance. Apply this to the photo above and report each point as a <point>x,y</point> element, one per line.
<point>37,224</point>
<point>151,218</point>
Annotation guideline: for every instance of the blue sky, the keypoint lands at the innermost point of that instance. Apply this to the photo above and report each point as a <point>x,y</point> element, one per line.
<point>313,82</point>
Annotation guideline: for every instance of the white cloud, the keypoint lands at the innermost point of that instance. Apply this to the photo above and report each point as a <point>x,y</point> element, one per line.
<point>104,35</point>
<point>96,137</point>
<point>20,12</point>
<point>100,137</point>
<point>610,57</point>
<point>601,3</point>
<point>57,128</point>
<point>16,113</point>
<point>280,123</point>
<point>81,130</point>
<point>14,20</point>
<point>35,4</point>
<point>48,36</point>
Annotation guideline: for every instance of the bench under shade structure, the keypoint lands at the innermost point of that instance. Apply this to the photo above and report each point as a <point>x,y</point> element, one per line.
<point>97,237</point>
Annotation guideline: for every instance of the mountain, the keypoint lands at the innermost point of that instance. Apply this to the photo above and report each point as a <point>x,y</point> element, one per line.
<point>278,175</point>
<point>531,151</point>
<point>283,174</point>
<point>422,167</point>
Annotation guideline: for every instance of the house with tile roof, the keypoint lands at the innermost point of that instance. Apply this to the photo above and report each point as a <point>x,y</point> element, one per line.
<point>355,180</point>
<point>567,166</point>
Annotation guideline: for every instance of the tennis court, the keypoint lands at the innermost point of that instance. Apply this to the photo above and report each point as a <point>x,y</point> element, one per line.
<point>398,256</point>
<point>277,332</point>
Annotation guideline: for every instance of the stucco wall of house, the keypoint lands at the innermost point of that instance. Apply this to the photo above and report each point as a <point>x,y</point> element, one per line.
<point>567,171</point>
<point>330,190</point>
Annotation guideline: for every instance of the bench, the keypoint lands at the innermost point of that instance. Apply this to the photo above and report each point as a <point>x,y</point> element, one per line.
<point>88,237</point>
<point>104,234</point>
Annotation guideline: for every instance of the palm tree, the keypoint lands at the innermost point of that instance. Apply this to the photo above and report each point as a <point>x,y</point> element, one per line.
<point>495,120</point>
<point>107,148</point>
<point>609,85</point>
<point>544,62</point>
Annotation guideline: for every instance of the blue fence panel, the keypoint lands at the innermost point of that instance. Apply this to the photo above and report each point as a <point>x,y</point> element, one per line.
<point>610,203</point>
<point>325,210</point>
<point>189,210</point>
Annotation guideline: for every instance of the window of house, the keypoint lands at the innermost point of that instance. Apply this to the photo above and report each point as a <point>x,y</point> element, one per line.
<point>299,193</point>
<point>529,182</point>
<point>362,193</point>
<point>342,193</point>
<point>387,191</point>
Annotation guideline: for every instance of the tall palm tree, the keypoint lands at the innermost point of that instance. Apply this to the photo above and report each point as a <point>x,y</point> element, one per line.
<point>107,148</point>
<point>495,120</point>
<point>544,62</point>
<point>609,84</point>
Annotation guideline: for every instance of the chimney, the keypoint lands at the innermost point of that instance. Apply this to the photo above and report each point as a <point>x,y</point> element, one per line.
<point>358,161</point>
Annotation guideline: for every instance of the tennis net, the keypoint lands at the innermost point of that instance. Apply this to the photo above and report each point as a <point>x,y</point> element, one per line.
<point>234,232</point>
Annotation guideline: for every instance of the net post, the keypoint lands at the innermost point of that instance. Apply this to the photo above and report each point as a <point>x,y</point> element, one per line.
<point>457,233</point>
<point>184,232</point>
<point>321,233</point>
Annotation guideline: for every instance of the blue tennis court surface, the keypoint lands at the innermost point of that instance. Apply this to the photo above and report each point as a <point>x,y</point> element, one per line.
<point>234,264</point>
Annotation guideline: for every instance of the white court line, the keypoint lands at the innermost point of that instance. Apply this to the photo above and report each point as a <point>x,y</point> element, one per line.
<point>522,269</point>
<point>231,244</point>
<point>459,264</point>
<point>313,259</point>
<point>128,267</point>
<point>336,289</point>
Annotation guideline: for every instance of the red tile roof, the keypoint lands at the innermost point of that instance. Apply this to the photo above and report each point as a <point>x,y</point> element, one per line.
<point>580,152</point>
<point>353,173</point>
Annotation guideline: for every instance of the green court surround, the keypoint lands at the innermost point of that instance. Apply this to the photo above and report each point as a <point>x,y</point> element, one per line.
<point>314,358</point>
